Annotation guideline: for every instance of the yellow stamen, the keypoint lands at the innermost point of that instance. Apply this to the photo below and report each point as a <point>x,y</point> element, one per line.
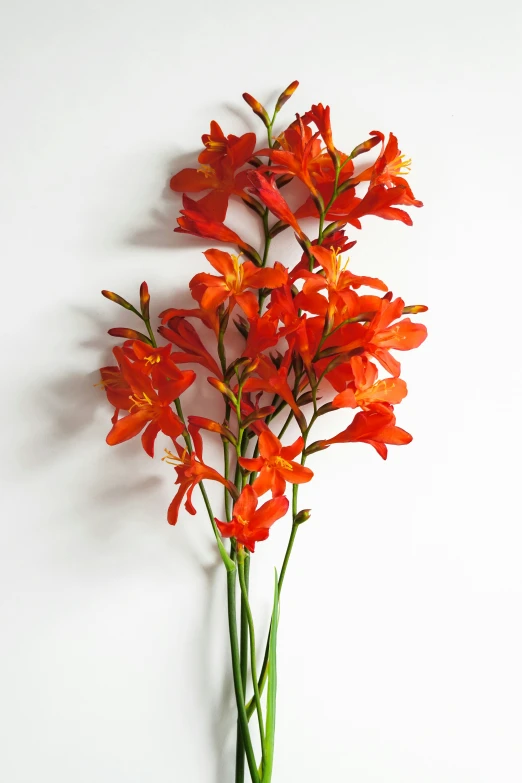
<point>154,358</point>
<point>399,167</point>
<point>207,171</point>
<point>234,281</point>
<point>279,462</point>
<point>211,144</point>
<point>172,459</point>
<point>140,402</point>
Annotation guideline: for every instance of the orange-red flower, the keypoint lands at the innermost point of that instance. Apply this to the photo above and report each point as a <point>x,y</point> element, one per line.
<point>273,379</point>
<point>158,363</point>
<point>183,334</point>
<point>221,158</point>
<point>337,279</point>
<point>150,408</point>
<point>251,524</point>
<point>377,428</point>
<point>320,115</point>
<point>382,336</point>
<point>298,154</point>
<point>276,465</point>
<point>266,189</point>
<point>190,470</point>
<point>194,221</point>
<point>116,388</point>
<point>234,280</point>
<point>367,392</point>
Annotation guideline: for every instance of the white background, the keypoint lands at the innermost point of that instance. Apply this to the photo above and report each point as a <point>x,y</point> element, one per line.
<point>401,640</point>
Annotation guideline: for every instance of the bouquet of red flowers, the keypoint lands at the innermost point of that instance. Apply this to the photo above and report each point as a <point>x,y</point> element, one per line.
<point>312,343</point>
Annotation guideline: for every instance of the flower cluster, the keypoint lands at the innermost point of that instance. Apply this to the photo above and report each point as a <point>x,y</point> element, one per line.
<point>313,331</point>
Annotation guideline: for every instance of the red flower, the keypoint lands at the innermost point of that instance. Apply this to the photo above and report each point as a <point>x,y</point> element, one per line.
<point>337,279</point>
<point>367,392</point>
<point>374,427</point>
<point>267,191</point>
<point>149,408</point>
<point>320,115</point>
<point>263,333</point>
<point>299,153</point>
<point>190,470</point>
<point>233,282</point>
<point>402,336</point>
<point>221,158</point>
<point>276,465</point>
<point>117,389</point>
<point>251,524</point>
<point>273,380</point>
<point>155,362</point>
<point>183,334</point>
<point>195,222</point>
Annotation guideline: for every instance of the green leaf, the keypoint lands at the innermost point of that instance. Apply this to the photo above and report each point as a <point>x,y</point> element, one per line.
<point>271,689</point>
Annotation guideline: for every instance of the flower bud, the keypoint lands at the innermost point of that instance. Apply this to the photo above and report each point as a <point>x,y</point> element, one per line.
<point>253,203</point>
<point>305,399</point>
<point>144,300</point>
<point>285,95</point>
<point>365,146</point>
<point>326,408</point>
<point>223,388</point>
<point>252,254</point>
<point>283,180</point>
<point>277,228</point>
<point>117,299</point>
<point>302,516</point>
<point>235,366</point>
<point>129,334</point>
<point>258,413</point>
<point>257,108</point>
<point>242,326</point>
<point>333,227</point>
<point>318,445</point>
<point>414,309</point>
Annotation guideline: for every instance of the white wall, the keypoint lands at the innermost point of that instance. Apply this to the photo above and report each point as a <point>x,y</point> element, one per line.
<point>401,640</point>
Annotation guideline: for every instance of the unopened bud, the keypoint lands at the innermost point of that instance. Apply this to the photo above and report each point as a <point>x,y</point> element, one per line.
<point>258,413</point>
<point>285,95</point>
<point>277,228</point>
<point>223,388</point>
<point>319,445</point>
<point>305,399</point>
<point>253,203</point>
<point>283,180</point>
<point>117,299</point>
<point>414,309</point>
<point>332,227</point>
<point>257,108</point>
<point>235,366</point>
<point>252,254</point>
<point>326,408</point>
<point>242,326</point>
<point>129,334</point>
<point>144,300</point>
<point>365,146</point>
<point>302,516</point>
<point>251,367</point>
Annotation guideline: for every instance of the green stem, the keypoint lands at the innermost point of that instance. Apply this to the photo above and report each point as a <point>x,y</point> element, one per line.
<point>243,568</point>
<point>237,676</point>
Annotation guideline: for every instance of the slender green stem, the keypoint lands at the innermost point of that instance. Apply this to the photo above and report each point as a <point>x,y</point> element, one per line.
<point>149,330</point>
<point>238,682</point>
<point>243,568</point>
<point>264,668</point>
